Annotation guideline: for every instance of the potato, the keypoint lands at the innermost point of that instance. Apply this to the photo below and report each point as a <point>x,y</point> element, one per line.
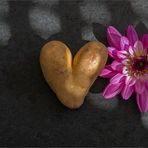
<point>70,78</point>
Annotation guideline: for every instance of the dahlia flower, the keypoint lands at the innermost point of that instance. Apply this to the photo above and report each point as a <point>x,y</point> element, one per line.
<point>128,72</point>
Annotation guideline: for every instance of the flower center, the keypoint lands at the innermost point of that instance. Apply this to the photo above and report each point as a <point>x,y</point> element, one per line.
<point>139,64</point>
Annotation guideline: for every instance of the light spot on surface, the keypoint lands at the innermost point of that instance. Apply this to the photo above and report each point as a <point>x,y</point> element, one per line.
<point>144,119</point>
<point>87,33</point>
<point>145,22</point>
<point>4,33</point>
<point>98,101</point>
<point>95,11</point>
<point>44,22</point>
<point>4,7</point>
<point>4,27</point>
<point>140,7</point>
<point>45,3</point>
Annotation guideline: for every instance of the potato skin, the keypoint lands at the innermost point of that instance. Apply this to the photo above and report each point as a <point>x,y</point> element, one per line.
<point>71,79</point>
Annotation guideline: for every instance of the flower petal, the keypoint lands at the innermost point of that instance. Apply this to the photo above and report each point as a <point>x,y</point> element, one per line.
<point>131,51</point>
<point>113,37</point>
<point>125,71</point>
<point>123,42</point>
<point>126,47</point>
<point>117,66</point>
<point>130,81</point>
<point>107,73</point>
<point>145,40</point>
<point>139,50</point>
<point>142,101</point>
<point>139,87</point>
<point>122,54</point>
<point>112,90</point>
<point>112,52</point>
<point>138,45</point>
<point>132,35</point>
<point>127,92</point>
<point>125,62</point>
<point>117,78</point>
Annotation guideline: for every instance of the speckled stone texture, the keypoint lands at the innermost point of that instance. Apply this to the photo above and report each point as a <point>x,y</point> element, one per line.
<point>30,114</point>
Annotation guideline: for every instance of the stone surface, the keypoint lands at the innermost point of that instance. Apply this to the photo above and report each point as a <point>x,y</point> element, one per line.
<point>30,113</point>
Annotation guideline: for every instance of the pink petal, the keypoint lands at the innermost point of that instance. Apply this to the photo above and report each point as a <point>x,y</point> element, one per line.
<point>145,40</point>
<point>112,90</point>
<point>117,66</point>
<point>146,85</point>
<point>132,35</point>
<point>113,37</point>
<point>131,51</point>
<point>139,87</point>
<point>117,78</point>
<point>113,30</point>
<point>139,50</point>
<point>126,47</point>
<point>123,42</point>
<point>112,52</point>
<point>127,91</point>
<point>125,71</point>
<point>130,81</point>
<point>122,54</point>
<point>125,62</point>
<point>107,73</point>
<point>142,101</point>
<point>138,46</point>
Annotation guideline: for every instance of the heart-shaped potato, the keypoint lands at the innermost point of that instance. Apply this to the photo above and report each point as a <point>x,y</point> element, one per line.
<point>71,78</point>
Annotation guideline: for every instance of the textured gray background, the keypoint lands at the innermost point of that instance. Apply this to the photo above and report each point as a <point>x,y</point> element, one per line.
<point>30,114</point>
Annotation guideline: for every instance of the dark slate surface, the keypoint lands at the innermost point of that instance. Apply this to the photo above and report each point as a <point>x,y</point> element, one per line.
<point>31,115</point>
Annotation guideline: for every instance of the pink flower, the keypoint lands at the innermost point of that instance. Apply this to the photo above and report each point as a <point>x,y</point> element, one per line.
<point>128,72</point>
